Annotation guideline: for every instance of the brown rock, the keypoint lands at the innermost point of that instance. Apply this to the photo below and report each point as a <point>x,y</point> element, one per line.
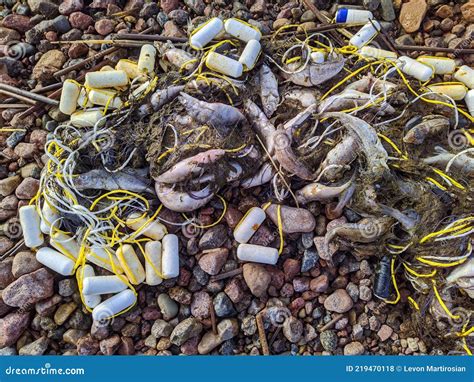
<point>29,289</point>
<point>293,219</point>
<point>385,332</point>
<point>80,20</point>
<point>110,345</point>
<point>6,275</point>
<point>445,11</point>
<point>8,185</point>
<point>412,15</point>
<point>27,188</point>
<point>169,5</point>
<point>468,11</point>
<point>8,35</point>
<point>354,348</point>
<point>319,284</point>
<point>24,262</point>
<point>87,346</point>
<point>77,50</point>
<point>49,63</point>
<point>200,305</point>
<point>12,327</point>
<point>257,279</point>
<point>234,289</point>
<point>213,260</point>
<point>19,23</point>
<point>104,26</point>
<point>69,6</point>
<point>339,301</point>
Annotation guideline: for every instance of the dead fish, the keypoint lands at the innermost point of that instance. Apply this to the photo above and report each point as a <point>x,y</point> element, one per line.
<point>314,74</point>
<point>349,99</point>
<point>128,179</point>
<point>369,81</point>
<point>341,155</point>
<point>367,230</point>
<point>264,174</point>
<point>302,97</point>
<point>463,270</point>
<point>160,98</point>
<point>320,192</point>
<point>344,199</point>
<point>269,95</point>
<point>260,123</point>
<point>189,167</point>
<point>218,115</point>
<point>181,201</point>
<point>464,162</point>
<point>375,154</point>
<point>407,222</point>
<point>286,157</point>
<point>299,119</point>
<point>429,126</point>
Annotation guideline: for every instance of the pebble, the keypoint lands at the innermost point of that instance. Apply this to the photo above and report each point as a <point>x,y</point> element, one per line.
<point>169,5</point>
<point>293,219</point>
<point>87,346</point>
<point>257,279</point>
<point>293,329</point>
<point>17,22</point>
<point>161,328</point>
<point>12,327</point>
<point>80,20</point>
<point>310,259</point>
<point>29,289</point>
<point>388,11</point>
<point>339,302</point>
<point>468,11</point>
<point>328,340</point>
<point>168,307</point>
<point>223,305</point>
<point>412,14</point>
<point>37,347</point>
<point>8,185</point>
<point>212,262</point>
<point>226,329</point>
<point>354,348</point>
<point>385,333</point>
<point>186,329</point>
<point>110,345</point>
<point>104,26</point>
<point>214,237</point>
<point>49,63</point>
<point>234,289</point>
<point>249,325</point>
<point>6,273</point>
<point>64,312</point>
<point>27,189</point>
<point>7,35</point>
<point>99,330</point>
<point>67,287</point>
<point>319,284</point>
<point>201,304</point>
<point>69,6</point>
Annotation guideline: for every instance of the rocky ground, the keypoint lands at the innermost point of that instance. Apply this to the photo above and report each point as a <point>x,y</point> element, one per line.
<point>302,305</point>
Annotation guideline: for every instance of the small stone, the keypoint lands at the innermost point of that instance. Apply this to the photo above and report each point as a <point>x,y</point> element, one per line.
<point>168,307</point>
<point>7,35</point>
<point>72,336</point>
<point>49,63</point>
<point>67,287</point>
<point>200,305</point>
<point>197,6</point>
<point>291,267</point>
<point>104,26</point>
<point>6,274</point>
<point>468,11</point>
<point>412,14</point>
<point>12,327</point>
<point>180,295</point>
<point>69,6</point>
<point>213,261</point>
<point>185,330</point>
<point>388,11</point>
<point>29,289</point>
<point>385,333</point>
<point>110,345</point>
<point>161,328</point>
<point>365,293</point>
<point>223,305</point>
<point>234,289</point>
<point>80,20</point>
<point>100,330</point>
<point>257,279</point>
<point>27,189</point>
<point>339,302</point>
<point>209,341</point>
<point>328,340</point>
<point>278,23</point>
<point>8,185</point>
<point>233,216</point>
<point>293,329</point>
<point>17,22</point>
<point>24,262</point>
<point>37,347</point>
<point>319,242</point>
<point>249,325</point>
<point>319,284</point>
<point>214,237</point>
<point>412,344</point>
<point>170,29</point>
<point>63,312</point>
<point>87,346</point>
<point>5,244</point>
<point>310,259</point>
<point>354,348</point>
<point>169,5</point>
<point>444,11</point>
<point>294,220</point>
